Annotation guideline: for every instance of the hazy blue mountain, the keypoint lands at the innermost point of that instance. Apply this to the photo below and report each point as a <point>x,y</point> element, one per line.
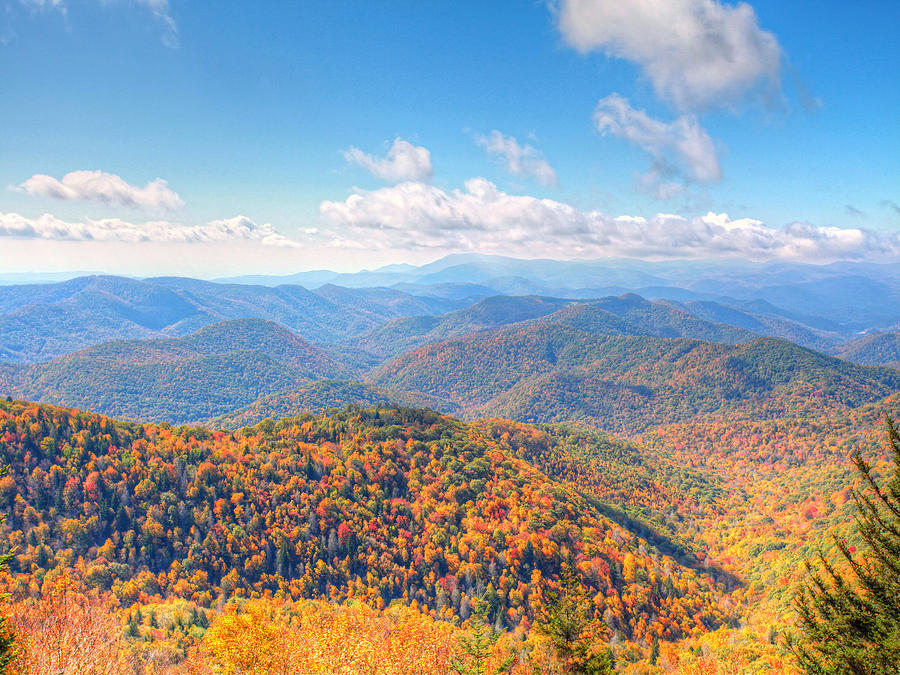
<point>625,315</point>
<point>41,321</point>
<point>454,291</point>
<point>19,278</point>
<point>407,333</point>
<point>815,305</point>
<point>762,324</point>
<point>834,297</point>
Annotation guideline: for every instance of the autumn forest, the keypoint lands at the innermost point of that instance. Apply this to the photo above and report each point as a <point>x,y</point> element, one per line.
<point>526,484</point>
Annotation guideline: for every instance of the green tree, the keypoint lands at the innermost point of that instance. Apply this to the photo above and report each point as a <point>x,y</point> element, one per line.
<point>477,647</point>
<point>567,619</point>
<point>850,620</point>
<point>8,651</point>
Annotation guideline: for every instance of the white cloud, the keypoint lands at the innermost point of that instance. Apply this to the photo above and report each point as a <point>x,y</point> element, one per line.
<point>680,148</point>
<point>483,218</point>
<point>49,227</point>
<point>160,10</point>
<point>696,53</point>
<point>44,4</point>
<point>519,160</point>
<point>404,162</point>
<point>107,188</point>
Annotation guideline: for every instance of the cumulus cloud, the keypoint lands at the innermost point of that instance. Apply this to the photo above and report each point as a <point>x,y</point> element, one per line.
<point>483,218</point>
<point>696,53</point>
<point>403,162</point>
<point>519,160</point>
<point>678,149</point>
<point>107,188</point>
<point>48,227</point>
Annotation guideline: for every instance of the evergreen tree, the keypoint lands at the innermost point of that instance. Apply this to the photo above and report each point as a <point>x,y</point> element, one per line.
<point>477,648</point>
<point>567,619</point>
<point>850,621</point>
<point>8,651</point>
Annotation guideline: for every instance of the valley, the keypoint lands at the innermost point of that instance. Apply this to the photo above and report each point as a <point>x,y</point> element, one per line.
<point>446,451</point>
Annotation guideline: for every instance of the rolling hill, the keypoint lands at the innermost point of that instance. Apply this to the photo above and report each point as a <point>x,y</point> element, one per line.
<point>545,372</point>
<point>842,295</point>
<point>210,372</point>
<point>628,314</point>
<point>320,396</point>
<point>766,322</point>
<point>400,335</point>
<point>877,349</point>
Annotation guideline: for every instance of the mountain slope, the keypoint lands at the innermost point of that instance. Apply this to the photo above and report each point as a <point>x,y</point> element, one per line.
<point>878,349</point>
<point>836,296</point>
<point>763,324</point>
<point>403,334</point>
<point>320,396</point>
<point>382,505</point>
<point>42,321</point>
<point>630,314</point>
<point>545,373</point>
<point>212,371</point>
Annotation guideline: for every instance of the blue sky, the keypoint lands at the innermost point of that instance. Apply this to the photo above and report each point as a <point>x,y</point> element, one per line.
<point>523,127</point>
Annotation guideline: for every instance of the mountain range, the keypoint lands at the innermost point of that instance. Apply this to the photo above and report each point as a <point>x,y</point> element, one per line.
<point>188,351</point>
<point>680,433</point>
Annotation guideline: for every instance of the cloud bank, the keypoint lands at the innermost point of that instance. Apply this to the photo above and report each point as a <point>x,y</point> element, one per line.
<point>106,188</point>
<point>697,54</point>
<point>48,227</point>
<point>483,218</point>
<point>680,149</point>
<point>416,217</point>
<point>403,162</point>
<point>519,160</point>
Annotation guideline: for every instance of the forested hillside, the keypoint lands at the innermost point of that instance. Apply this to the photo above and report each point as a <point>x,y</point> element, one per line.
<point>878,349</point>
<point>631,314</point>
<point>320,396</point>
<point>768,321</point>
<point>687,534</point>
<point>400,335</point>
<point>210,372</point>
<point>377,504</point>
<point>625,315</point>
<point>547,373</point>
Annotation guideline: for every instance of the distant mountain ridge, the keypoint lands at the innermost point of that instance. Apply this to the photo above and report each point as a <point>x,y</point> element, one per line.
<point>819,306</point>
<point>859,296</point>
<point>41,321</point>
